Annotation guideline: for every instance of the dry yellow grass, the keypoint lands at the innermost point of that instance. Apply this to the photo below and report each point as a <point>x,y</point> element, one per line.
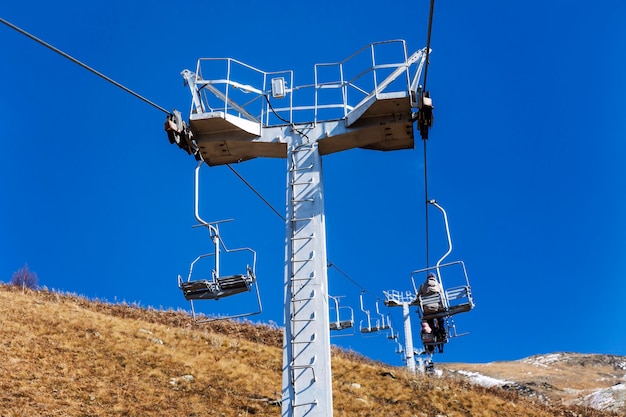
<point>64,355</point>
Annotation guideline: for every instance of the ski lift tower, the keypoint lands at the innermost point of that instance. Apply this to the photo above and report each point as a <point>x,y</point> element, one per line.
<point>405,300</point>
<point>239,112</point>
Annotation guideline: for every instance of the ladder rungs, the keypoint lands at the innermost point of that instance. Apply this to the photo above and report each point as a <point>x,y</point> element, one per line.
<point>301,219</point>
<point>312,318</point>
<point>294,405</point>
<point>301,261</point>
<point>305,237</point>
<point>310,258</point>
<point>307,168</point>
<point>307,320</point>
<point>310,297</point>
<point>302,148</point>
<point>310,366</point>
<point>293,367</point>
<point>298,300</point>
<point>309,182</point>
<point>294,342</point>
<point>301,279</point>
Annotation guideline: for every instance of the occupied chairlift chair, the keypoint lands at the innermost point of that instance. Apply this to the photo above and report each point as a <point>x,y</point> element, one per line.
<point>454,300</point>
<point>217,286</point>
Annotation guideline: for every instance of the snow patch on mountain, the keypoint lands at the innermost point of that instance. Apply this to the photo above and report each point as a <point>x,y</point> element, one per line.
<point>483,380</point>
<point>611,399</point>
<point>543,360</point>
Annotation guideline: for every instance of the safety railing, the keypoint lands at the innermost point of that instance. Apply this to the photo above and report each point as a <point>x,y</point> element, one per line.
<point>225,86</point>
<point>455,297</point>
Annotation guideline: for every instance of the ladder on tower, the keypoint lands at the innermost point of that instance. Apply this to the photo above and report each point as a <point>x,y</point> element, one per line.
<point>301,182</point>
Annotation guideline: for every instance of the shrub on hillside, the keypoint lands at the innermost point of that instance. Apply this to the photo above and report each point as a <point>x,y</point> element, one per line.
<point>25,278</point>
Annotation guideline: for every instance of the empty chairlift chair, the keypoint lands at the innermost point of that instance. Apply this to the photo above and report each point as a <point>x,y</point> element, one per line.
<point>379,324</point>
<point>217,286</point>
<point>343,321</point>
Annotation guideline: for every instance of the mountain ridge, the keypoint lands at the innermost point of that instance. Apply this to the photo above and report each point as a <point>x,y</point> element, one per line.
<point>591,380</point>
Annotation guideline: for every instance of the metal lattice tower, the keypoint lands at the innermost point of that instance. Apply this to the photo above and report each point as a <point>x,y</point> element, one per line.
<point>239,113</point>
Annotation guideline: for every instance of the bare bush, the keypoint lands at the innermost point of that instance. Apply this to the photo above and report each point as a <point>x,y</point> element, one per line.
<point>25,278</point>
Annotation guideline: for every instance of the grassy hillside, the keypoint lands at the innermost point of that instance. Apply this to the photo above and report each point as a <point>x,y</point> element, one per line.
<point>64,355</point>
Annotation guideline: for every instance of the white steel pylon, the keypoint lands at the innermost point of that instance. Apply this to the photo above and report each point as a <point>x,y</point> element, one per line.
<point>237,115</point>
<point>306,342</point>
<point>395,298</point>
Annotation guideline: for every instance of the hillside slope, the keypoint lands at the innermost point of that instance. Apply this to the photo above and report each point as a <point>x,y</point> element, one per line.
<point>597,381</point>
<point>64,355</point>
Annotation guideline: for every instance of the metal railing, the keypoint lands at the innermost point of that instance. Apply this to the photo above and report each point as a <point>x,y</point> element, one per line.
<point>226,86</point>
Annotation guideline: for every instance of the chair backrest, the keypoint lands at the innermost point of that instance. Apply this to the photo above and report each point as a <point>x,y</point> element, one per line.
<point>430,303</point>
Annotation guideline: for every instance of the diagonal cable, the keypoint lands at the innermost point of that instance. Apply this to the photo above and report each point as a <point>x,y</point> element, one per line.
<point>128,90</point>
<point>258,194</point>
<point>85,66</point>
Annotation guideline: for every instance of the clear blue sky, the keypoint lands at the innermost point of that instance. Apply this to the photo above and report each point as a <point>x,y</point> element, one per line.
<point>526,155</point>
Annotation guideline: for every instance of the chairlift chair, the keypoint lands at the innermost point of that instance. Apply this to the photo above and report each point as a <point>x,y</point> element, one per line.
<point>392,335</point>
<point>217,286</point>
<point>385,321</point>
<point>378,325</point>
<point>341,323</point>
<point>369,328</point>
<point>453,300</point>
<point>450,301</point>
<point>399,348</point>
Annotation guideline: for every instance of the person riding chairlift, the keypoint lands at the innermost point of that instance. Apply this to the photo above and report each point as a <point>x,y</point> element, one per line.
<point>430,287</point>
<point>427,337</point>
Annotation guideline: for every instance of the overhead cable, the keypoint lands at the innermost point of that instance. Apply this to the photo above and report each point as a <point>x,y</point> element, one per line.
<point>428,36</point>
<point>258,194</point>
<point>330,264</point>
<point>426,65</point>
<point>128,90</point>
<point>85,66</point>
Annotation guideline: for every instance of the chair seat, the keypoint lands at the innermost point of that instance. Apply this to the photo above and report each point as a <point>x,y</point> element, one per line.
<point>212,290</point>
<point>346,324</point>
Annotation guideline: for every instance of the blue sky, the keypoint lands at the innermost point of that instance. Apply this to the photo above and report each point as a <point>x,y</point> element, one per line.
<point>526,156</point>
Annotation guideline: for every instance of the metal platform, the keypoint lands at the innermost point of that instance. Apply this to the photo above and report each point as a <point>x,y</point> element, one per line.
<point>381,123</point>
<point>240,112</point>
<point>225,139</point>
